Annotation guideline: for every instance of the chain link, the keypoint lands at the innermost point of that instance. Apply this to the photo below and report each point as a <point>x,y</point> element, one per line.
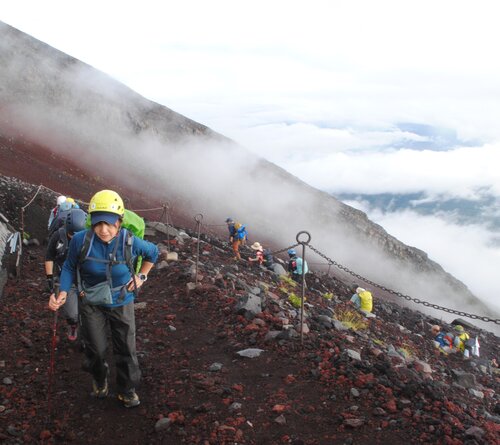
<point>285,249</point>
<point>399,294</point>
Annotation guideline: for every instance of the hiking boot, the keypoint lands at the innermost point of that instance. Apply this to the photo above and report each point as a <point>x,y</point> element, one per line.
<point>129,399</point>
<point>72,332</point>
<point>100,391</point>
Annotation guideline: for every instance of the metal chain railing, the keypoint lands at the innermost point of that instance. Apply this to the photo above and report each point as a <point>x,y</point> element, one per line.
<point>401,295</point>
<point>329,261</point>
<point>293,246</point>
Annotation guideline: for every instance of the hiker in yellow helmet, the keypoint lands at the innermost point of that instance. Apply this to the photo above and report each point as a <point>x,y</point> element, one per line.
<point>363,300</point>
<point>101,260</point>
<point>462,341</point>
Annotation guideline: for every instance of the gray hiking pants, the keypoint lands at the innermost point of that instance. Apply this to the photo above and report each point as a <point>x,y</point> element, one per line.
<point>70,308</point>
<point>121,320</point>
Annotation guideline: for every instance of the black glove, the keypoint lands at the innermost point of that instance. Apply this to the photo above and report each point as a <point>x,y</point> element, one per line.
<point>50,283</point>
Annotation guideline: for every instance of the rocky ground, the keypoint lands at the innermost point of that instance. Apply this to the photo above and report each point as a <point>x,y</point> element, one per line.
<point>380,383</point>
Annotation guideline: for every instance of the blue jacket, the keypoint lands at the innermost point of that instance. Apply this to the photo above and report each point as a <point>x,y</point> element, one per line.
<point>443,340</point>
<point>231,229</point>
<point>93,272</point>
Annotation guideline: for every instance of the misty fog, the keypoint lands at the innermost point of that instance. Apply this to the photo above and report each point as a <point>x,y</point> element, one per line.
<point>84,114</point>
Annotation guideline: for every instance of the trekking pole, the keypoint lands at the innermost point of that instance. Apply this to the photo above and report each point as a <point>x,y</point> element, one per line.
<point>52,356</point>
<point>303,280</point>
<point>198,218</point>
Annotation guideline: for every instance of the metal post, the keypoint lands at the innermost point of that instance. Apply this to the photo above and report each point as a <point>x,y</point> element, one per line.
<point>303,280</point>
<point>198,218</point>
<point>20,251</point>
<point>165,215</point>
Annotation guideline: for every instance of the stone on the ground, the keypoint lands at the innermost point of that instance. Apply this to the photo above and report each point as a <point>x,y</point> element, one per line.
<point>215,367</point>
<point>249,305</point>
<point>250,352</point>
<point>162,424</point>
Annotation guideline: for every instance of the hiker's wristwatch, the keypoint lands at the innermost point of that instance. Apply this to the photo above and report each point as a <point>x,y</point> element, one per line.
<point>143,277</point>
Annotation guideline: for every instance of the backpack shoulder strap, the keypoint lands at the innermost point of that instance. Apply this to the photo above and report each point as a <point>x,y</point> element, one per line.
<point>87,241</point>
<point>61,233</point>
<point>84,251</point>
<point>128,242</point>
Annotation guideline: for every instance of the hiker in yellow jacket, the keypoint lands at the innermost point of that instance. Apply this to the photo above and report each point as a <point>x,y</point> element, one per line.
<point>461,341</point>
<point>363,300</point>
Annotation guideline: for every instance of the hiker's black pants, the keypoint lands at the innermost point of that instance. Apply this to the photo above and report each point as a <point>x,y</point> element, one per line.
<point>298,279</point>
<point>121,320</point>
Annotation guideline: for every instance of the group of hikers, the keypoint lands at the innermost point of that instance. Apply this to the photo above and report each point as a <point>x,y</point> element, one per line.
<point>362,299</point>
<point>263,257</point>
<point>95,266</point>
<point>457,341</point>
<point>449,342</point>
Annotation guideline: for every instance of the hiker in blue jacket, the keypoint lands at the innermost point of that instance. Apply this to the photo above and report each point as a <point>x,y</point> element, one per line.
<point>295,264</point>
<point>238,239</point>
<point>442,341</point>
<point>231,229</point>
<point>97,261</point>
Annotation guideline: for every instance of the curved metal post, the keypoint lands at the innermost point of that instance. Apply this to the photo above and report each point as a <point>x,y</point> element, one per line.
<point>198,218</point>
<point>165,216</point>
<point>304,243</point>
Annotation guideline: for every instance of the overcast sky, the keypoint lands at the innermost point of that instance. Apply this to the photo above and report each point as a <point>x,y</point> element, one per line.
<point>352,96</point>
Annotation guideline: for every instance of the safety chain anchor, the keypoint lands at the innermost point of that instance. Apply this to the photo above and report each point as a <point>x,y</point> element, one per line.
<point>198,218</point>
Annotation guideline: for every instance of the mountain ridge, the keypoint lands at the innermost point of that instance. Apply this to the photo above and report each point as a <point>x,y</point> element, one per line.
<point>76,112</point>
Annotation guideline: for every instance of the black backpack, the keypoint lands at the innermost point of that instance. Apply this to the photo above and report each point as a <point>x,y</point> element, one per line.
<point>268,258</point>
<point>58,221</point>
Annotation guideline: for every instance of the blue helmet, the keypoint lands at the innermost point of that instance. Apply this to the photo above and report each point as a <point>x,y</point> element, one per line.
<point>75,221</point>
<point>229,220</point>
<point>292,252</point>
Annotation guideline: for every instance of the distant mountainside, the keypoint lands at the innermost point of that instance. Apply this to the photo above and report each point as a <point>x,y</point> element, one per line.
<point>462,211</point>
<point>111,132</point>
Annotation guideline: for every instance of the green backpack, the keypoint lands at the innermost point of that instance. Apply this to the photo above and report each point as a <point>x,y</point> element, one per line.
<point>134,224</point>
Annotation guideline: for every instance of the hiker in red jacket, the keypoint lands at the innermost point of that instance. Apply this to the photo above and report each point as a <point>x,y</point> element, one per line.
<point>259,254</point>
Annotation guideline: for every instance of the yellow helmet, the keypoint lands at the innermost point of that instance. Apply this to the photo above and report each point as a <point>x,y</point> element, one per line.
<point>70,200</point>
<point>107,201</point>
<point>237,225</point>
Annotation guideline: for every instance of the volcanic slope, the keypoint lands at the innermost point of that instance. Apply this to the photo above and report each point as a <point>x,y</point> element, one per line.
<point>50,99</point>
<point>375,384</point>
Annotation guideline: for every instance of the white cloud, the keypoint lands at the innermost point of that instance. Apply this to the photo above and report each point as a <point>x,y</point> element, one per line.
<point>363,63</point>
<point>467,252</point>
<point>459,172</point>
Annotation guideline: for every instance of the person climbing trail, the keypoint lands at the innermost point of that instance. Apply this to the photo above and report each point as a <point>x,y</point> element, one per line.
<point>100,260</point>
<point>57,251</point>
